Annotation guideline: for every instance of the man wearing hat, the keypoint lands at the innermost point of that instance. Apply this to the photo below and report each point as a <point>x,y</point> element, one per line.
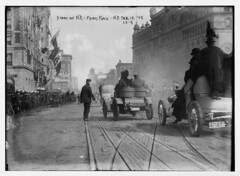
<point>191,72</point>
<point>211,65</point>
<point>124,81</point>
<point>179,105</point>
<point>212,58</point>
<point>85,98</point>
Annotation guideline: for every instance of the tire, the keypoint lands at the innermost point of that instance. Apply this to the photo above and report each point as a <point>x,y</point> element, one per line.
<point>149,111</point>
<point>162,113</point>
<point>104,110</point>
<point>195,118</point>
<point>115,110</point>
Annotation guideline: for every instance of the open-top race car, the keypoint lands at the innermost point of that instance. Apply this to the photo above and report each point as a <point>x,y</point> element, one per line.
<point>201,110</point>
<point>130,101</point>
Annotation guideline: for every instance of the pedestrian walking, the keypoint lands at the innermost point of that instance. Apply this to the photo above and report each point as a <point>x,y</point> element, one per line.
<point>85,97</point>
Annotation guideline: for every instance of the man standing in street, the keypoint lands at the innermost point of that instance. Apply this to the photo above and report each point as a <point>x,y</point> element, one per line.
<point>85,98</point>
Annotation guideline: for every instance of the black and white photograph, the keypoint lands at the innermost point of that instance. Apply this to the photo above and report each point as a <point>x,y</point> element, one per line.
<point>119,88</point>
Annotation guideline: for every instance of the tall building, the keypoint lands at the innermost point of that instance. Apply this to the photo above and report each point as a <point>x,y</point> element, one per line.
<point>94,80</point>
<point>161,51</point>
<point>111,78</point>
<point>26,35</point>
<point>124,66</point>
<point>62,80</point>
<point>74,84</point>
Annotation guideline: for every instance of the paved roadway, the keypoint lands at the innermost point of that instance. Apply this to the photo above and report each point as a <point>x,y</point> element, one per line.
<point>58,139</point>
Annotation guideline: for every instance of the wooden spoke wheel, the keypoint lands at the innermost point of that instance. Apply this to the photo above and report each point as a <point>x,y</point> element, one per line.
<point>195,118</point>
<point>162,113</point>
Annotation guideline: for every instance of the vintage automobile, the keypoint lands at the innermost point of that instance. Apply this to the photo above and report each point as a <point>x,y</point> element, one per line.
<point>107,91</point>
<point>129,101</point>
<point>200,107</point>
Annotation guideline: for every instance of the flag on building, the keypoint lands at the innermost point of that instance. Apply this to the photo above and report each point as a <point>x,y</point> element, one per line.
<point>54,53</point>
<point>48,30</point>
<point>56,49</point>
<point>54,39</point>
<point>58,67</point>
<point>57,62</point>
<point>54,43</point>
<point>44,50</point>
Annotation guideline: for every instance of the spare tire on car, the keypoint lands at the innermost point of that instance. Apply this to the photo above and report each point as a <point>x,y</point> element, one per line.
<point>126,92</point>
<point>140,92</point>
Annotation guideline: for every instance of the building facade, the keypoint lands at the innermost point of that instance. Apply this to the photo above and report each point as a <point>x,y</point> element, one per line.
<point>94,80</point>
<point>124,66</point>
<point>74,84</point>
<point>62,80</point>
<point>26,34</point>
<point>111,78</point>
<point>161,51</point>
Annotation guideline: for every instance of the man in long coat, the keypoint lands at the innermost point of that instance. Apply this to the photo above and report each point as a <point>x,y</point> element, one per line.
<point>85,98</point>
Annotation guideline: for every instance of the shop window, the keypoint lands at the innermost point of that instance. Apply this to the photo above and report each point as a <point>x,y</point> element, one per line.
<point>17,18</point>
<point>9,59</point>
<point>63,65</point>
<point>9,24</point>
<point>9,40</point>
<point>228,23</point>
<point>227,9</point>
<point>17,37</point>
<point>28,57</point>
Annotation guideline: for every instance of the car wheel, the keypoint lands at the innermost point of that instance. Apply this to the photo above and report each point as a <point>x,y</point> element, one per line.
<point>115,110</point>
<point>161,113</point>
<point>104,110</point>
<point>195,118</point>
<point>149,111</point>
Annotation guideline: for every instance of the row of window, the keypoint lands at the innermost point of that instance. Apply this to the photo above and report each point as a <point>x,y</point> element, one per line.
<point>29,81</point>
<point>10,59</point>
<point>200,43</point>
<point>194,30</point>
<point>17,38</point>
<point>193,14</point>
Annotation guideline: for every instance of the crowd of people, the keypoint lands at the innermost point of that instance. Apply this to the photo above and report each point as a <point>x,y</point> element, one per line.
<point>21,101</point>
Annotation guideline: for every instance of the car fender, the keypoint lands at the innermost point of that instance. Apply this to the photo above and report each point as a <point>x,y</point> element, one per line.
<point>119,100</point>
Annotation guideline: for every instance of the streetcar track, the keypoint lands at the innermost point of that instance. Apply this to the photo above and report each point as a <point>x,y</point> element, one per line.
<point>93,164</point>
<point>152,146</point>
<point>151,152</point>
<point>180,153</point>
<point>193,148</point>
<point>139,144</point>
<point>106,136</point>
<point>127,134</point>
<point>146,148</point>
<point>116,148</point>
